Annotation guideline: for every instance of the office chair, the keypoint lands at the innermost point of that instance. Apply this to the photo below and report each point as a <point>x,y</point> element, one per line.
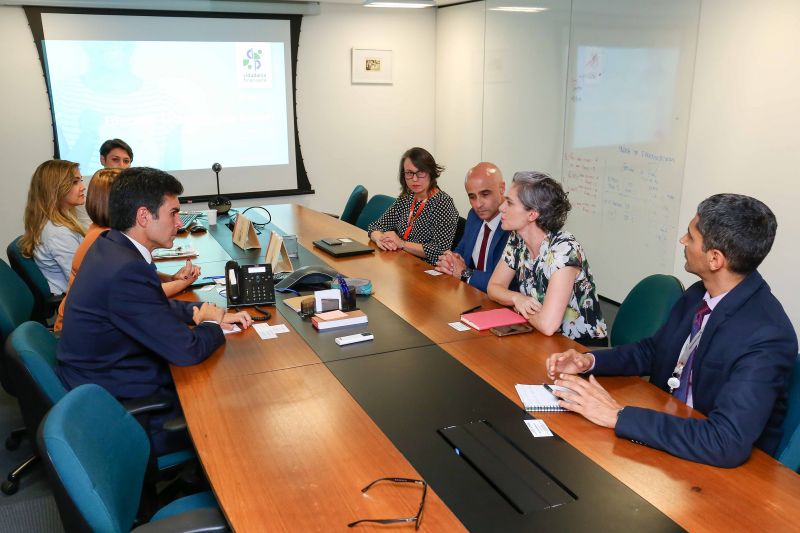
<point>31,353</point>
<point>645,309</point>
<point>789,448</point>
<point>16,304</point>
<point>355,204</point>
<point>96,455</point>
<point>460,225</point>
<point>45,303</point>
<point>376,207</point>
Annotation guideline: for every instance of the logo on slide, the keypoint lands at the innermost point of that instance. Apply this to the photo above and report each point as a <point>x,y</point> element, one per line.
<point>253,63</point>
<point>252,59</point>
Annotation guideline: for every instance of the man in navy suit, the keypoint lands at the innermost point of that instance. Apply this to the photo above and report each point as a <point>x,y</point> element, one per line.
<point>727,348</point>
<point>120,330</point>
<point>482,244</point>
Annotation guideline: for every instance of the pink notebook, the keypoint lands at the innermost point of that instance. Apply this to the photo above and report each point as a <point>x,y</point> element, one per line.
<point>482,320</point>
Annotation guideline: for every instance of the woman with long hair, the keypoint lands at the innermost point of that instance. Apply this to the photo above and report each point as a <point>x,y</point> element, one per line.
<point>52,231</point>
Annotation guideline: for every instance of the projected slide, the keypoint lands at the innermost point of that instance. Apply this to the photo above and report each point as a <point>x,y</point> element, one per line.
<point>181,105</point>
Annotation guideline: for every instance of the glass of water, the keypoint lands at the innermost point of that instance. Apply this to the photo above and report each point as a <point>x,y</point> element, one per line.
<point>290,241</point>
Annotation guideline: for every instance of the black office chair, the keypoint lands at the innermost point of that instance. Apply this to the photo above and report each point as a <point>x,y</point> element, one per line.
<point>45,303</point>
<point>460,225</point>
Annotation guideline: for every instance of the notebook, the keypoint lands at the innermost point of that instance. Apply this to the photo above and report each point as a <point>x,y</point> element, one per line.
<point>494,318</point>
<point>537,398</point>
<point>345,247</point>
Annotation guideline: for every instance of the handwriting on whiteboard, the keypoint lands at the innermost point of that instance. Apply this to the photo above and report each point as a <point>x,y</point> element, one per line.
<point>626,186</point>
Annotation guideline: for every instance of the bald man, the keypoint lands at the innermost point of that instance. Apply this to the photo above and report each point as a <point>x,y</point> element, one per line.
<point>475,257</point>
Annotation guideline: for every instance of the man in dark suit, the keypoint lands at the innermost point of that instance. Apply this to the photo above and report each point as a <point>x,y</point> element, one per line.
<point>474,258</point>
<point>120,330</point>
<point>727,348</point>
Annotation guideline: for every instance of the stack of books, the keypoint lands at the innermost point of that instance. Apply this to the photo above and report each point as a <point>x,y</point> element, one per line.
<point>338,319</point>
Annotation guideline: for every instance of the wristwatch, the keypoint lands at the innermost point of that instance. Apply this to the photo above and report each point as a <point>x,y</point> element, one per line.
<point>466,274</point>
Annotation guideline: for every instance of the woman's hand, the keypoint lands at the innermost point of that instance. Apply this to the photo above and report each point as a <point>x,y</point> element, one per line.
<point>188,272</point>
<point>527,306</point>
<point>379,238</point>
<point>391,241</point>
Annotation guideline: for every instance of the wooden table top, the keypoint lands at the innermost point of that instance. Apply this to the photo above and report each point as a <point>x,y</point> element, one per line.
<point>290,450</point>
<point>257,408</point>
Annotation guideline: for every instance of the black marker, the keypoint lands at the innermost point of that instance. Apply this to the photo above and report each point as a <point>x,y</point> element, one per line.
<point>470,310</point>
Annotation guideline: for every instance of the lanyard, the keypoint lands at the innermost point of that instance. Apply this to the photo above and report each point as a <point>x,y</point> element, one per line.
<point>675,381</point>
<point>413,216</point>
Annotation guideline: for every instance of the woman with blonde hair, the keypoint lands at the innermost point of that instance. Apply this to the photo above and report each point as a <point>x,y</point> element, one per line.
<point>97,209</point>
<point>52,231</point>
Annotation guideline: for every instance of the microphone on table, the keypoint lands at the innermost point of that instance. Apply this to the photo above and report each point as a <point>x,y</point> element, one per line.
<point>221,203</point>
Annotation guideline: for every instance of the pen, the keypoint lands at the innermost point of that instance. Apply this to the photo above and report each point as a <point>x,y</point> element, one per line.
<point>549,389</point>
<point>471,309</point>
<point>213,277</point>
<point>343,286</point>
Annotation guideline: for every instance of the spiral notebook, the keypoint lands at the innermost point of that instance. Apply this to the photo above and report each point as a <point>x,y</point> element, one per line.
<point>537,398</point>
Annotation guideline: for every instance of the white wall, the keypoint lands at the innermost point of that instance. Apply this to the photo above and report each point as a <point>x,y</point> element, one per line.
<point>349,134</point>
<point>459,95</point>
<point>744,131</point>
<point>26,138</point>
<point>353,134</point>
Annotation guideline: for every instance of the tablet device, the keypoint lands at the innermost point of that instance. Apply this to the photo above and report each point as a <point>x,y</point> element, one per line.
<point>344,248</point>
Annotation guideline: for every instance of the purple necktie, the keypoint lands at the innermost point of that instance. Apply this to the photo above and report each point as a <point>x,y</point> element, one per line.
<point>682,392</point>
<point>482,253</point>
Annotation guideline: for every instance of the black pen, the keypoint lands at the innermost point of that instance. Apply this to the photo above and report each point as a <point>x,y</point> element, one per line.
<point>549,389</point>
<point>470,310</point>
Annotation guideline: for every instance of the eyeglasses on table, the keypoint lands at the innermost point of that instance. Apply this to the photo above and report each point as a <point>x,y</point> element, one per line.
<point>417,519</point>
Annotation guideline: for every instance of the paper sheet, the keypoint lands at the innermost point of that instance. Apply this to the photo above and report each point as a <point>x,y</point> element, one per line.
<point>265,331</point>
<point>236,329</point>
<point>538,428</point>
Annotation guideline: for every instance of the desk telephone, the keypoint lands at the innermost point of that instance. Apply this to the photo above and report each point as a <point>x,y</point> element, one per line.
<point>249,284</point>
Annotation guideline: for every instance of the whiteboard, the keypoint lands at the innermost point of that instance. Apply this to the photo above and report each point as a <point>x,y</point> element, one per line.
<point>629,85</point>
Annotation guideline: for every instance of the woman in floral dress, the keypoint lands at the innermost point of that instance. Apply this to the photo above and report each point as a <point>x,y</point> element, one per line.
<point>556,289</point>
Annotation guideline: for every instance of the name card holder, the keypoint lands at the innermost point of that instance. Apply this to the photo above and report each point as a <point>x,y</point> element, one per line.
<point>244,234</point>
<point>277,255</point>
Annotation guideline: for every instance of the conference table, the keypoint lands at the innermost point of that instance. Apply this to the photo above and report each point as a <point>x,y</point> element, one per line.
<point>287,446</point>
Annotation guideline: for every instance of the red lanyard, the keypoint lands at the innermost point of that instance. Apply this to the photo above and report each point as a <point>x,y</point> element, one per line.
<point>413,216</point>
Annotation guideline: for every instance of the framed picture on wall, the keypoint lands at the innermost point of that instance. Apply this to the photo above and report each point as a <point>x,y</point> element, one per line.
<point>372,66</point>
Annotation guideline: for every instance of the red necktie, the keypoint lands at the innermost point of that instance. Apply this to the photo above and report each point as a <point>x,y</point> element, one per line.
<point>482,253</point>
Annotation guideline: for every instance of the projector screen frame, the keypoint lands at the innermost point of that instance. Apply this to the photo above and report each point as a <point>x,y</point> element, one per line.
<point>34,16</point>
